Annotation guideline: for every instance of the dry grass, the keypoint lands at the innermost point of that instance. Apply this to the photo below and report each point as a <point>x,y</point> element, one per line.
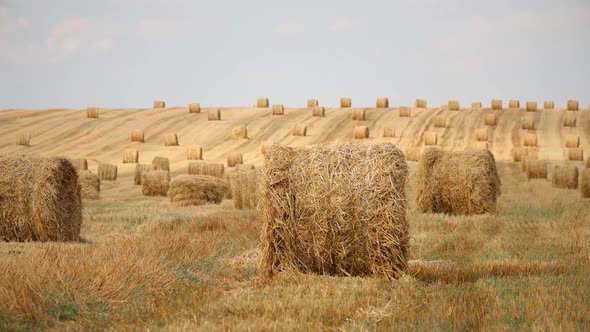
<point>262,103</point>
<point>299,130</point>
<point>311,103</point>
<point>89,185</point>
<point>80,164</point>
<point>23,139</point>
<point>454,105</point>
<point>569,119</point>
<point>139,170</point>
<point>214,115</point>
<point>420,103</point>
<point>530,140</point>
<point>358,114</point>
<point>536,169</point>
<point>388,132</point>
<point>130,156</point>
<point>345,102</point>
<point>382,102</point>
<point>319,111</point>
<point>137,135</point>
<point>160,163</point>
<point>194,152</point>
<point>572,105</point>
<point>278,109</point>
<point>361,132</point>
<point>405,112</point>
<point>585,183</point>
<point>92,112</point>
<point>234,158</point>
<point>430,138</point>
<point>194,108</point>
<point>239,133</point>
<point>107,172</point>
<point>527,123</point>
<point>548,105</point>
<point>531,106</point>
<point>170,139</point>
<point>159,104</point>
<point>490,119</point>
<point>565,177</point>
<point>575,154</point>
<point>497,104</point>
<point>481,135</point>
<point>572,141</point>
<point>476,105</point>
<point>186,190</point>
<point>440,121</point>
<point>513,103</point>
<point>155,183</point>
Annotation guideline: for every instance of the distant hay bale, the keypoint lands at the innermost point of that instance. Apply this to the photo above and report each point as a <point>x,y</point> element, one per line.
<point>420,103</point>
<point>80,164</point>
<point>137,136</point>
<point>262,103</point>
<point>388,132</point>
<point>186,190</point>
<point>548,105</point>
<point>572,141</point>
<point>130,156</point>
<point>530,139</point>
<point>476,105</point>
<point>239,133</point>
<point>572,105</point>
<point>23,139</point>
<point>171,139</point>
<point>194,152</point>
<point>405,112</point>
<point>441,190</point>
<point>216,170</point>
<point>159,104</point>
<point>139,170</point>
<point>430,138</point>
<point>245,167</point>
<point>412,154</point>
<point>454,105</point>
<point>514,103</point>
<point>107,172</point>
<point>318,111</point>
<point>518,154</point>
<point>575,154</point>
<point>565,177</point>
<point>531,106</point>
<point>524,161</point>
<point>89,185</point>
<point>440,121</point>
<point>311,103</point>
<point>569,120</point>
<point>234,158</point>
<point>345,102</point>
<point>155,183</point>
<point>536,169</point>
<point>299,130</point>
<point>588,162</point>
<point>527,123</point>
<point>361,132</point>
<point>496,104</point>
<point>214,115</point>
<point>358,115</point>
<point>264,146</point>
<point>194,108</point>
<point>160,164</point>
<point>481,135</point>
<point>278,109</point>
<point>382,102</point>
<point>203,168</point>
<point>92,112</point>
<point>490,119</point>
<point>40,199</point>
<point>244,188</point>
<point>360,230</point>
<point>585,183</point>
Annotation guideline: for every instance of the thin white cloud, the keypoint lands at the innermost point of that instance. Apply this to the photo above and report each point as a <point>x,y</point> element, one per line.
<point>289,28</point>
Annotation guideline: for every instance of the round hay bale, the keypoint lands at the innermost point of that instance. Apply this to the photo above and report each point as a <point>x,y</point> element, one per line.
<point>518,154</point>
<point>497,104</point>
<point>239,133</point>
<point>476,105</point>
<point>527,123</point>
<point>405,112</point>
<point>92,112</point>
<point>439,121</point>
<point>186,190</point>
<point>194,108</point>
<point>40,199</point>
<point>299,130</point>
<point>136,135</point>
<point>531,106</point>
<point>160,164</point>
<point>457,183</point>
<point>514,103</point>
<point>159,104</point>
<point>243,185</point>
<point>345,102</point>
<point>318,111</point>
<point>194,152</point>
<point>107,172</point>
<point>481,135</point>
<point>278,109</point>
<point>524,161</point>
<point>23,139</point>
<point>412,154</point>
<point>454,105</point>
<point>130,156</point>
<point>569,120</point>
<point>490,119</point>
<point>311,103</point>
<point>358,115</point>
<point>575,154</point>
<point>155,183</point>
<point>197,168</point>
<point>388,132</point>
<point>572,105</point>
<point>216,170</point>
<point>80,164</point>
<point>530,139</point>
<point>366,209</point>
<point>264,146</point>
<point>430,138</point>
<point>565,177</point>
<point>420,103</point>
<point>139,170</point>
<point>548,105</point>
<point>234,158</point>
<point>588,162</point>
<point>262,103</point>
<point>572,141</point>
<point>585,183</point>
<point>361,132</point>
<point>536,169</point>
<point>89,185</point>
<point>214,115</point>
<point>171,139</point>
<point>382,102</point>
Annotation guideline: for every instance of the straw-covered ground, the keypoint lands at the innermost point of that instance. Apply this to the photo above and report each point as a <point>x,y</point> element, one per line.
<point>145,264</point>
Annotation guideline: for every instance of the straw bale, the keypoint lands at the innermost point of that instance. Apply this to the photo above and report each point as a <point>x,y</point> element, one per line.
<point>548,105</point>
<point>139,170</point>
<point>569,120</point>
<point>239,133</point>
<point>572,105</point>
<point>382,102</point>
<point>345,102</point>
<point>565,177</point>
<point>572,141</point>
<point>137,136</point>
<point>575,154</point>
<point>234,158</point>
<point>311,103</point>
<point>358,114</point>
<point>318,111</point>
<point>361,132</point>
<point>405,112</point>
<point>188,190</point>
<point>519,153</point>
<point>130,156</point>
<point>530,139</point>
<point>89,185</point>
<point>476,105</point>
<point>490,119</point>
<point>155,183</point>
<point>454,105</point>
<point>514,103</point>
<point>262,103</point>
<point>585,183</point>
<point>194,152</point>
<point>527,123</point>
<point>299,130</point>
<point>388,132</point>
<point>430,138</point>
<point>80,164</point>
<point>92,112</point>
<point>214,115</point>
<point>194,108</point>
<point>244,188</point>
<point>278,109</point>
<point>159,104</point>
<point>107,172</point>
<point>160,163</point>
<point>420,103</point>
<point>497,104</point>
<point>23,139</point>
<point>481,135</point>
<point>413,154</point>
<point>440,121</point>
<point>535,169</point>
<point>531,106</point>
<point>171,139</point>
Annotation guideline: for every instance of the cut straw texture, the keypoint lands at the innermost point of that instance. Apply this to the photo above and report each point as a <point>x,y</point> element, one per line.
<point>530,140</point>
<point>244,188</point>
<point>92,112</point>
<point>345,102</point>
<point>80,164</point>
<point>160,163</point>
<point>107,172</point>
<point>239,133</point>
<point>585,183</point>
<point>572,141</point>
<point>234,158</point>
<point>23,139</point>
<point>440,121</point>
<point>188,190</point>
<point>535,169</point>
<point>457,183</point>
<point>481,135</point>
<point>137,135</point>
<point>130,156</point>
<point>572,105</point>
<point>318,111</point>
<point>299,130</point>
<point>565,177</point>
<point>490,119</point>
<point>527,123</point>
<point>454,105</point>
<point>214,115</point>
<point>194,108</point>
<point>312,103</point>
<point>278,109</point>
<point>430,138</point>
<point>358,114</point>
<point>388,132</point>
<point>382,102</point>
<point>89,185</point>
<point>159,104</point>
<point>513,104</point>
<point>350,222</point>
<point>405,111</point>
<point>549,105</point>
<point>155,183</point>
<point>194,152</point>
<point>203,168</point>
<point>262,103</point>
<point>420,103</point>
<point>413,154</point>
<point>476,105</point>
<point>40,199</point>
<point>569,120</point>
<point>139,170</point>
<point>361,132</point>
<point>170,139</point>
<point>531,106</point>
<point>497,104</point>
<point>575,154</point>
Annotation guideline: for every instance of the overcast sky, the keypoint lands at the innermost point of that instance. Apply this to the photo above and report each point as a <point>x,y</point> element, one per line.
<point>126,53</point>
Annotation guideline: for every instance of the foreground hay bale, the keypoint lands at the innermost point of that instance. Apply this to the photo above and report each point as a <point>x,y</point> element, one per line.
<point>536,169</point>
<point>262,103</point>
<point>194,152</point>
<point>234,158</point>
<point>527,123</point>
<point>159,104</point>
<point>514,103</point>
<point>413,154</point>
<point>136,135</point>
<point>575,154</point>
<point>496,104</point>
<point>358,115</point>
<point>388,132</point>
<point>572,141</point>
<point>155,183</point>
<point>40,199</point>
<point>92,112</point>
<point>569,120</point>
<point>188,190</point>
<point>361,132</point>
<point>160,163</point>
<point>318,111</point>
<point>130,156</point>
<point>549,105</point>
<point>214,115</point>
<point>454,105</point>
<point>530,140</point>
<point>89,185</point>
<point>420,103</point>
<point>239,133</point>
<point>23,139</point>
<point>278,109</point>
<point>405,112</point>
<point>244,188</point>
<point>481,135</point>
<point>299,130</point>
<point>312,103</point>
<point>194,108</point>
<point>430,138</point>
<point>531,106</point>
<point>490,119</point>
<point>585,183</point>
<point>382,102</point>
<point>345,102</point>
<point>360,231</point>
<point>457,183</point>
<point>476,105</point>
<point>139,170</point>
<point>80,164</point>
<point>572,105</point>
<point>440,121</point>
<point>170,139</point>
<point>565,177</point>
<point>107,172</point>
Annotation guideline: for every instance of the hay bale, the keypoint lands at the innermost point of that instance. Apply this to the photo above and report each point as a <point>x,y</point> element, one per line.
<point>155,183</point>
<point>107,172</point>
<point>23,139</point>
<point>194,108</point>
<point>194,152</point>
<point>89,185</point>
<point>531,106</point>
<point>40,199</point>
<point>412,154</point>
<point>358,115</point>
<point>530,140</point>
<point>481,135</point>
<point>575,154</point>
<point>388,132</point>
<point>405,112</point>
<point>457,183</point>
<point>92,112</point>
<point>514,103</point>
<point>524,161</point>
<point>278,109</point>
<point>536,169</point>
<point>234,158</point>
<point>214,115</point>
<point>490,119</point>
<point>548,105</point>
<point>239,133</point>
<point>361,132</point>
<point>139,170</point>
<point>382,102</point>
<point>430,138</point>
<point>569,120</point>
<point>216,170</point>
<point>420,103</point>
<point>518,154</point>
<point>318,111</point>
<point>264,146</point>
<point>160,164</point>
<point>476,105</point>
<point>527,123</point>
<point>243,185</point>
<point>345,102</point>
<point>360,230</point>
<point>454,105</point>
<point>136,135</point>
<point>299,130</point>
<point>159,104</point>
<point>130,156</point>
<point>188,190</point>
<point>262,103</point>
<point>80,164</point>
<point>588,162</point>
<point>311,103</point>
<point>572,141</point>
<point>572,105</point>
<point>565,177</point>
<point>197,168</point>
<point>439,121</point>
<point>585,183</point>
<point>170,139</point>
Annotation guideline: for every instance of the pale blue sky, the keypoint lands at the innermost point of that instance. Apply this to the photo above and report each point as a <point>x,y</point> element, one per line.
<point>126,53</point>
